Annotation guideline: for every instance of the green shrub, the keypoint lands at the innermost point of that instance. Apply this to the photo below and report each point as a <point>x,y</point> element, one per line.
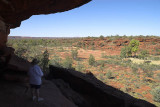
<point>67,63</point>
<point>45,60</point>
<point>149,73</point>
<point>109,75</point>
<point>143,54</point>
<point>134,69</point>
<point>102,67</point>
<point>101,37</point>
<point>61,49</point>
<point>126,52</point>
<point>153,43</point>
<point>157,51</point>
<point>74,54</point>
<point>156,94</point>
<point>56,61</point>
<point>79,44</point>
<point>91,60</point>
<point>148,67</point>
<point>123,53</point>
<point>158,76</point>
<point>79,67</point>
<point>134,45</point>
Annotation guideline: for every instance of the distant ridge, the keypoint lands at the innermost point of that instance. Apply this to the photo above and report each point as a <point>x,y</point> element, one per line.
<point>22,37</point>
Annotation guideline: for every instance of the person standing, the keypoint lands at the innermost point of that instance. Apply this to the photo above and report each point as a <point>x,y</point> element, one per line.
<point>35,73</point>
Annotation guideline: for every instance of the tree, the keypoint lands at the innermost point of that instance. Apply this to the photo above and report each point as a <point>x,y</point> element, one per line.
<point>74,54</point>
<point>68,63</point>
<point>130,49</point>
<point>126,52</point>
<point>45,60</point>
<point>101,37</point>
<point>129,52</point>
<point>134,45</point>
<point>91,60</point>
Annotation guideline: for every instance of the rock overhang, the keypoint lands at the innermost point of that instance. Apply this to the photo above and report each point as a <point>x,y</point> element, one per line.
<point>14,12</point>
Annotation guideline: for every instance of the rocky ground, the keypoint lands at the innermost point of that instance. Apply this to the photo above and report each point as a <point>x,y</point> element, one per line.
<point>13,95</point>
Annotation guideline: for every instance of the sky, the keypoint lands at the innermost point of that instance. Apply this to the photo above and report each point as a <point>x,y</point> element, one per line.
<point>98,17</point>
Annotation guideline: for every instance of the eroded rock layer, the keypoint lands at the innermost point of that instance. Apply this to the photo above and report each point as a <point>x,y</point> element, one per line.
<point>95,92</point>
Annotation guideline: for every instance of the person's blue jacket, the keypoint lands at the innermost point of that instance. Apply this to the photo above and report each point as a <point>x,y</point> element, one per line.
<point>35,73</point>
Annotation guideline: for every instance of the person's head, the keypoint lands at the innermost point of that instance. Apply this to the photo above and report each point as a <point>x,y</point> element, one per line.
<point>34,62</point>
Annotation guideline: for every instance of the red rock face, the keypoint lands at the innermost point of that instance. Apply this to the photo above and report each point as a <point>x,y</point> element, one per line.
<point>15,11</point>
<point>120,42</point>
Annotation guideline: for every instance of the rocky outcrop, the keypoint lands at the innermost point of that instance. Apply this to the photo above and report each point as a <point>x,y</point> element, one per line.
<point>15,95</point>
<point>68,88</point>
<point>70,94</point>
<point>95,92</point>
<point>121,42</point>
<point>15,70</point>
<point>15,11</point>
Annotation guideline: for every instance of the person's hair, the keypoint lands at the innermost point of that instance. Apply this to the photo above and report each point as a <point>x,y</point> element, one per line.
<point>34,61</point>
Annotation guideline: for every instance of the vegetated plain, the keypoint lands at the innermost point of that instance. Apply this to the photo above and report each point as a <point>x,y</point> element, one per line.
<point>128,63</point>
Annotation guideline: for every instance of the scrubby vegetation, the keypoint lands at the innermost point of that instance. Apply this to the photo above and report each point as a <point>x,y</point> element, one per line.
<point>156,94</point>
<point>130,64</point>
<point>91,60</point>
<point>131,49</point>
